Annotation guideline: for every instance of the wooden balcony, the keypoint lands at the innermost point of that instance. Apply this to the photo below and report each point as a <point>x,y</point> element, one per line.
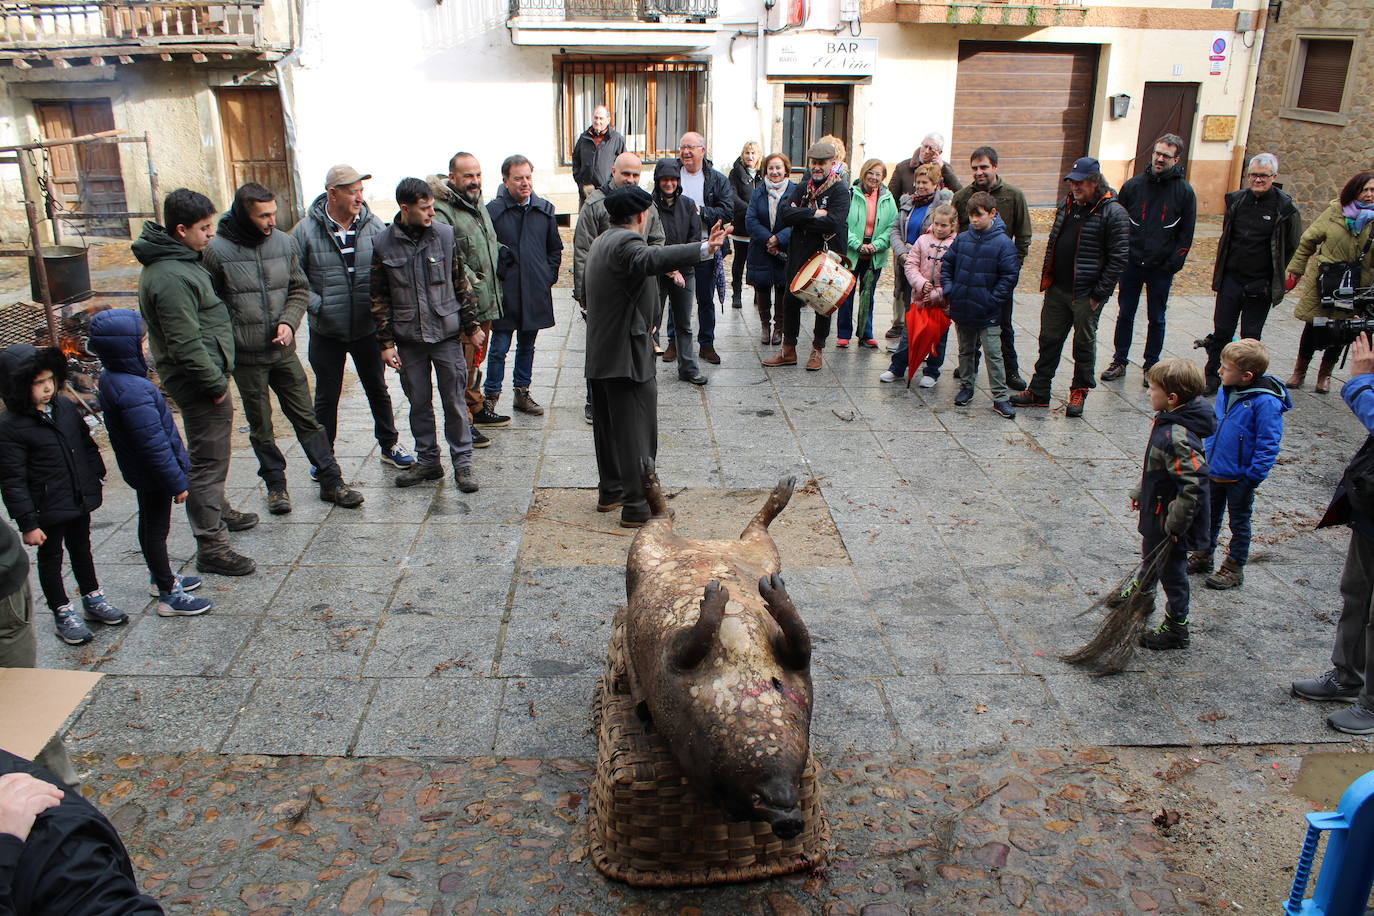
<point>63,33</point>
<point>661,11</point>
<point>676,25</point>
<point>1027,13</point>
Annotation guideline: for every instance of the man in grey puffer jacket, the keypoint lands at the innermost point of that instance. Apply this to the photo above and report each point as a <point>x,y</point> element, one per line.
<point>334,243</point>
<point>256,272</point>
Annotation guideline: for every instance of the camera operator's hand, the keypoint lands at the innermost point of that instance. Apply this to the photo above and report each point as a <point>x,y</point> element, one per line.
<point>1362,356</point>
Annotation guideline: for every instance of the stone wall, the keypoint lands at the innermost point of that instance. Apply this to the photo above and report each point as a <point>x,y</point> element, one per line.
<point>1315,159</point>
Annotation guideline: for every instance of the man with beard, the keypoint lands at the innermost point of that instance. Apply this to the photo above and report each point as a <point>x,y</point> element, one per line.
<point>594,152</point>
<point>1011,206</point>
<point>458,203</point>
<point>423,306</point>
<point>1163,210</point>
<point>257,273</point>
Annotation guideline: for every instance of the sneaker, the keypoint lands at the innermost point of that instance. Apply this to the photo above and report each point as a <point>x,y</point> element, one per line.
<point>224,561</point>
<point>235,520</point>
<point>1145,375</point>
<point>1029,398</point>
<point>1357,720</point>
<point>419,473</point>
<point>1015,382</point>
<point>888,376</point>
<point>1325,687</point>
<point>869,344</point>
<point>177,603</point>
<point>184,583</point>
<point>1113,371</point>
<point>842,342</point>
<point>279,502</point>
<point>396,456</point>
<point>466,479</point>
<point>1168,635</point>
<point>1200,561</point>
<point>478,439</point>
<point>341,495</point>
<point>1231,575</point>
<point>488,416</point>
<point>314,473</point>
<point>1005,409</point>
<point>587,414</point>
<point>1077,397</point>
<point>97,607</point>
<point>894,332</point>
<point>70,629</point>
<point>927,381</point>
<point>964,396</point>
<point>526,404</point>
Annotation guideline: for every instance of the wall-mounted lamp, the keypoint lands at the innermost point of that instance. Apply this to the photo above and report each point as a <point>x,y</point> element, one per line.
<point>769,4</point>
<point>1121,105</point>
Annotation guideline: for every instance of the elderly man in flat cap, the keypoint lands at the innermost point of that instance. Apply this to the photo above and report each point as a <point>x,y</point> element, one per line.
<point>622,299</point>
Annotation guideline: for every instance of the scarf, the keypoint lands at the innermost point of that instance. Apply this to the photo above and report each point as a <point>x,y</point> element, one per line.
<point>1357,216</point>
<point>775,192</point>
<point>814,192</point>
<point>916,221</point>
<point>238,228</point>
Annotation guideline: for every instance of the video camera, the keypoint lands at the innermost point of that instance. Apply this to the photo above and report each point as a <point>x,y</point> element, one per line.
<point>1358,302</point>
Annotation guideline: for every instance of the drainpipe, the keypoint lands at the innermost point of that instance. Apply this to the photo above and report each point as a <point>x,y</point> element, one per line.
<point>1243,122</point>
<point>295,15</point>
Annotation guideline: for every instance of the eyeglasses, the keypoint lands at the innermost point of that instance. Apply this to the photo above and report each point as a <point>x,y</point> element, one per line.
<point>1159,155</point>
<point>1261,176</point>
<point>692,146</point>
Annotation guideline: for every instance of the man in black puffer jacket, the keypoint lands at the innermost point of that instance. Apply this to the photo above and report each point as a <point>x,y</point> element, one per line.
<point>1088,249</point>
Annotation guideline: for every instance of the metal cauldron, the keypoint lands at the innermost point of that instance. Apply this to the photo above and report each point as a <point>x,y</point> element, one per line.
<point>69,274</point>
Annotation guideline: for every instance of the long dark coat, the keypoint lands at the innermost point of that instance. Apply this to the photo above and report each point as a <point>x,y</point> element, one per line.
<point>810,233</point>
<point>531,235</point>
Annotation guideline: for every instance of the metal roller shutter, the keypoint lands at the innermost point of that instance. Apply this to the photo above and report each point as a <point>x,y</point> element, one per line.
<point>1032,102</point>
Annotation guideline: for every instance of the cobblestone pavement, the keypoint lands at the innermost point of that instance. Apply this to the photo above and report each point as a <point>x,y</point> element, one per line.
<point>431,656</point>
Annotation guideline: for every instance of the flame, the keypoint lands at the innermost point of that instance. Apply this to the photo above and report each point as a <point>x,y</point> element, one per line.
<point>72,349</point>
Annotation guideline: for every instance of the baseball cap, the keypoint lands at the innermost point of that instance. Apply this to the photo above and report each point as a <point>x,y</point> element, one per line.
<point>342,175</point>
<point>1083,168</point>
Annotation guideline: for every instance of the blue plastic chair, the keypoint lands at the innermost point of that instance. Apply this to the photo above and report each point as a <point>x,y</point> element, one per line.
<point>1348,868</point>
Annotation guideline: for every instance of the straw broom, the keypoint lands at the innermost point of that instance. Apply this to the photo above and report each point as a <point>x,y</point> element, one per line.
<point>1128,606</point>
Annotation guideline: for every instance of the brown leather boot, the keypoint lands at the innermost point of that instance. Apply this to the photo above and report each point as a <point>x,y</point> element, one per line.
<point>787,356</point>
<point>1323,385</point>
<point>814,363</point>
<point>765,319</point>
<point>1299,372</point>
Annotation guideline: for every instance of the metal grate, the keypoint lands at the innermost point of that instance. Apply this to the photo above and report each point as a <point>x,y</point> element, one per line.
<point>652,102</point>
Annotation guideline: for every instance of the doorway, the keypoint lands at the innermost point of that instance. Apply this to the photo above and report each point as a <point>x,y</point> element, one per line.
<point>1167,108</point>
<point>809,113</point>
<point>255,144</point>
<point>87,178</point>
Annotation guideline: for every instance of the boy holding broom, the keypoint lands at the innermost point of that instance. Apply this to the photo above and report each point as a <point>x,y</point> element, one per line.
<point>1172,495</point>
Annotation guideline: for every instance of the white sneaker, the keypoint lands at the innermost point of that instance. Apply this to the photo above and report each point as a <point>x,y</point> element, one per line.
<point>887,376</point>
<point>927,381</point>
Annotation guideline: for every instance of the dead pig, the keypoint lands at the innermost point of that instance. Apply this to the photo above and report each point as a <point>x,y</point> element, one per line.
<point>720,661</point>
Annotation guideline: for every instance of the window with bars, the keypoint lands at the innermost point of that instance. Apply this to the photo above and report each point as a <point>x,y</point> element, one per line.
<point>652,102</point>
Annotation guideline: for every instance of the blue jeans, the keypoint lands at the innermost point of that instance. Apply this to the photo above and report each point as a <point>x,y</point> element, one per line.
<point>1238,498</point>
<point>496,360</point>
<point>1156,284</point>
<point>937,359</point>
<point>865,285</point>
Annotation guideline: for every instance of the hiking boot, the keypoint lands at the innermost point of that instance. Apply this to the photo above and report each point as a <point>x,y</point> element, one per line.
<point>670,354</point>
<point>419,474</point>
<point>341,495</point>
<point>1005,409</point>
<point>927,381</point>
<point>1357,720</point>
<point>97,607</point>
<point>1325,687</point>
<point>488,416</point>
<point>70,629</point>
<point>223,560</point>
<point>235,520</point>
<point>478,439</point>
<point>608,505</point>
<point>279,502</point>
<point>466,479</point>
<point>708,353</point>
<point>964,396</point>
<point>185,583</point>
<point>177,603</point>
<point>787,356</point>
<point>526,404</point>
<point>397,457</point>
<point>1168,635</point>
<point>813,363</point>
<point>1113,371</point>
<point>1029,398</point>
<point>1015,382</point>
<point>1200,561</point>
<point>1231,575</point>
<point>1077,397</point>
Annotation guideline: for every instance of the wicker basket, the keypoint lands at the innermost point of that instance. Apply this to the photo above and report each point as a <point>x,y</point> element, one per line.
<point>649,828</point>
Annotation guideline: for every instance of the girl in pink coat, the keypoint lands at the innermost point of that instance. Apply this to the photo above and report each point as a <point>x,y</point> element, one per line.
<point>922,267</point>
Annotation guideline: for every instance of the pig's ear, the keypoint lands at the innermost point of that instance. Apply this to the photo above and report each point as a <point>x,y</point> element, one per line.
<point>692,645</point>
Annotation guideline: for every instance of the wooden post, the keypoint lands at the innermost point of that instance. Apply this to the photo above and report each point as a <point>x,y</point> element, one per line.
<point>36,243</point>
<point>152,179</point>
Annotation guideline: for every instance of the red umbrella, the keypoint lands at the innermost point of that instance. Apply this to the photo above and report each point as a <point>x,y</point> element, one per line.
<point>924,328</point>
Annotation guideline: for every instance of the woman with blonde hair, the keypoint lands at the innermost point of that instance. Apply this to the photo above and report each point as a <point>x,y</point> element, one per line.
<point>745,177</point>
<point>872,214</point>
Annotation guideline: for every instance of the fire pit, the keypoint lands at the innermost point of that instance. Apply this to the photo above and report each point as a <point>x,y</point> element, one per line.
<point>24,322</point>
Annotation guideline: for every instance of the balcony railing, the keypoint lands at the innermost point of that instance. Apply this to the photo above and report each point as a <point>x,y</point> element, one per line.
<point>666,11</point>
<point>998,12</point>
<point>60,23</point>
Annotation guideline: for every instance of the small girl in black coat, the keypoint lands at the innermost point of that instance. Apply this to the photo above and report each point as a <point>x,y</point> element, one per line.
<point>50,477</point>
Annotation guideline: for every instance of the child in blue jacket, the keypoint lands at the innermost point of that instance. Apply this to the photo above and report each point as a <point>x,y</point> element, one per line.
<point>977,274</point>
<point>149,450</point>
<point>1241,453</point>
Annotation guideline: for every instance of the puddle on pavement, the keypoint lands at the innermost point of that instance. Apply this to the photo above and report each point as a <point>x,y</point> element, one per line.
<point>1323,778</point>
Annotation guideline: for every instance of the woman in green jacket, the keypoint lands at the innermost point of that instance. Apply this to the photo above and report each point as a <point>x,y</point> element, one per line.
<point>871,216</point>
<point>1342,233</point>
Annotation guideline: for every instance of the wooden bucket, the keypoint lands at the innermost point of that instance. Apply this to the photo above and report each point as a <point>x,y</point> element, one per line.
<point>823,282</point>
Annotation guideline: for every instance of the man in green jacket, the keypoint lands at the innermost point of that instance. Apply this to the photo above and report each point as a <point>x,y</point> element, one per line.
<point>257,272</point>
<point>458,203</point>
<point>193,349</point>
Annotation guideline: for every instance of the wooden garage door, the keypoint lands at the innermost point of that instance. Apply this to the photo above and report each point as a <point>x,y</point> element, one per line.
<point>1032,102</point>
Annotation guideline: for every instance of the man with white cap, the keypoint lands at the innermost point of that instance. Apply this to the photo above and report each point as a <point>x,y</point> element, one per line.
<point>334,242</point>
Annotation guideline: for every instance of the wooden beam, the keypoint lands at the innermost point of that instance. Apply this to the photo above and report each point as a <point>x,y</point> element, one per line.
<point>97,61</point>
<point>199,57</point>
<point>125,59</point>
<point>165,56</point>
<point>227,56</point>
<point>21,64</point>
<point>61,63</point>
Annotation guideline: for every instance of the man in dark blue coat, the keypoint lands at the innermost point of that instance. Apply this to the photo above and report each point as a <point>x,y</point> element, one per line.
<point>528,228</point>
